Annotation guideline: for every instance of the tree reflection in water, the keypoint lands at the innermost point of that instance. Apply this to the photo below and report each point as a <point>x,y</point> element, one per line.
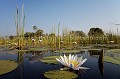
<point>99,54</point>
<point>36,56</point>
<point>100,62</point>
<point>20,57</point>
<point>20,62</point>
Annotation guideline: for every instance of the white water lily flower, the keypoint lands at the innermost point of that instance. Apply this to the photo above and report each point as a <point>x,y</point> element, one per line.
<point>72,61</point>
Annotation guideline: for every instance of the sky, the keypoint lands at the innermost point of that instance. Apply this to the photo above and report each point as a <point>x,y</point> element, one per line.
<point>72,14</point>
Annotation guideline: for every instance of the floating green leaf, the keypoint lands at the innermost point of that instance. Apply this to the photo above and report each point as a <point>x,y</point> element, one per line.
<point>59,74</point>
<point>7,66</point>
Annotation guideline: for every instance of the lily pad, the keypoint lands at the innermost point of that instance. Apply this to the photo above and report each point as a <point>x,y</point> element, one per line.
<point>59,74</point>
<point>50,60</point>
<point>7,66</point>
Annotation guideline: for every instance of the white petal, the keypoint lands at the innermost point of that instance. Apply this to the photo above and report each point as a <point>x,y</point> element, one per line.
<point>63,60</point>
<point>72,57</point>
<point>83,68</point>
<point>80,63</point>
<point>69,56</point>
<point>76,58</point>
<point>84,60</point>
<point>60,61</point>
<point>66,60</point>
<point>75,68</point>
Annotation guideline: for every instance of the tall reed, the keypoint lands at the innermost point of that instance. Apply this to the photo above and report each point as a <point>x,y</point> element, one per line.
<point>20,24</point>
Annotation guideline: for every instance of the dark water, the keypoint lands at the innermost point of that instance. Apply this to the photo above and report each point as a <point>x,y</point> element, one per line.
<point>32,68</point>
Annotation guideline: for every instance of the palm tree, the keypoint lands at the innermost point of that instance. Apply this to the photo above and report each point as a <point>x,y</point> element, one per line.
<point>34,28</point>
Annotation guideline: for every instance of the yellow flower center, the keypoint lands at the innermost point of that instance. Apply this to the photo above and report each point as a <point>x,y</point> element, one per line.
<point>74,63</point>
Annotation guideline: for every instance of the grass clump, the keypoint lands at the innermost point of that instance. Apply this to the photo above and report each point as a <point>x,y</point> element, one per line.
<point>58,74</point>
<point>7,66</point>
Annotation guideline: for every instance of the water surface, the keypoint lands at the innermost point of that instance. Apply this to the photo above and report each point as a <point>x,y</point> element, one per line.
<point>31,68</point>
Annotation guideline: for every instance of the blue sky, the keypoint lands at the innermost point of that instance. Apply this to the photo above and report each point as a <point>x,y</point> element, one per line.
<point>72,14</point>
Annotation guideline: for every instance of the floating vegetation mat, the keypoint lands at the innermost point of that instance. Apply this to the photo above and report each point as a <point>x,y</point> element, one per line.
<point>112,60</point>
<point>38,49</point>
<point>7,66</point>
<point>59,74</point>
<point>22,50</point>
<point>50,60</point>
<point>67,51</point>
<point>113,51</point>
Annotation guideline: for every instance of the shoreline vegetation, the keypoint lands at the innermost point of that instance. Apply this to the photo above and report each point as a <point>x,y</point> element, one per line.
<point>96,38</point>
<point>76,48</point>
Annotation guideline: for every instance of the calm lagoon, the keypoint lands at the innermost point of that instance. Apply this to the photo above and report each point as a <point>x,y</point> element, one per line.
<point>32,68</point>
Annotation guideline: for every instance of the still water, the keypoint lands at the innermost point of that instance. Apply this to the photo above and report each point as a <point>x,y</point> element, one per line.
<point>31,68</point>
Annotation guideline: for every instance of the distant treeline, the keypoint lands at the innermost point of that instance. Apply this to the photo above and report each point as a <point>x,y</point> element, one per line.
<point>94,36</point>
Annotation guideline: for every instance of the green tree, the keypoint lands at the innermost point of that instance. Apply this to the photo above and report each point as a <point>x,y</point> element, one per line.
<point>77,33</point>
<point>52,35</point>
<point>32,34</point>
<point>39,32</point>
<point>11,37</point>
<point>95,32</point>
<point>27,34</point>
